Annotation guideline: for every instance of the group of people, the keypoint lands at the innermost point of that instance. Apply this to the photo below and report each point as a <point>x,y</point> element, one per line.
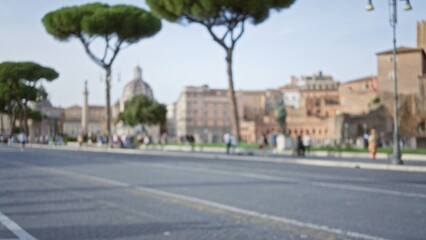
<point>23,138</point>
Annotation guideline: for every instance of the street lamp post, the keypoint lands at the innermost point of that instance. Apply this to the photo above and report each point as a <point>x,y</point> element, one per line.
<point>396,157</point>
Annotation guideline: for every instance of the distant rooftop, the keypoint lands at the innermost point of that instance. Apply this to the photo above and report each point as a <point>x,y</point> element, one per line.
<point>401,49</point>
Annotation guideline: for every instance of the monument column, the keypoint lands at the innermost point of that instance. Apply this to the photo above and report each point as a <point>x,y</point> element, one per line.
<point>85,110</point>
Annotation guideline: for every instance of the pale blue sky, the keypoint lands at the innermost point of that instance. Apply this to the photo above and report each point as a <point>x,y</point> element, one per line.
<point>336,36</point>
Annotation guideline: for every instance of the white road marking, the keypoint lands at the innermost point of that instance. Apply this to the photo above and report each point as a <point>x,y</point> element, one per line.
<point>15,228</point>
<point>211,204</point>
<point>306,182</point>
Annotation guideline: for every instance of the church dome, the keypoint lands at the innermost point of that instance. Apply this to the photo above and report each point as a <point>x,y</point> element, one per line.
<point>136,87</point>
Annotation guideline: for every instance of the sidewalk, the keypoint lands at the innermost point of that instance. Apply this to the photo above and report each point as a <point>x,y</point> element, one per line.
<point>415,163</point>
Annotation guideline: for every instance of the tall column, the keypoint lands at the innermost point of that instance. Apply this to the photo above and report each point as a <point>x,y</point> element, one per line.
<point>85,110</point>
<point>421,34</point>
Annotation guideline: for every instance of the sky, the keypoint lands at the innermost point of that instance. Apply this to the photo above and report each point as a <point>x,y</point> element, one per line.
<point>337,37</point>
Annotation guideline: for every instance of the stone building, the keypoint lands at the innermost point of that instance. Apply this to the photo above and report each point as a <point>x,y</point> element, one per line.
<point>317,81</point>
<point>350,127</point>
<point>321,130</point>
<point>374,96</point>
<point>72,123</point>
<point>258,113</point>
<point>85,119</point>
<point>358,96</point>
<point>51,121</point>
<point>319,104</point>
<point>204,113</point>
<point>411,64</point>
<point>411,71</point>
<point>291,95</point>
<point>171,121</point>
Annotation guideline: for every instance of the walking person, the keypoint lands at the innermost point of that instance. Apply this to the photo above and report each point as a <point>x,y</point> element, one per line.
<point>80,140</point>
<point>265,143</point>
<point>307,142</point>
<point>372,143</point>
<point>227,139</point>
<point>234,143</point>
<point>300,146</point>
<point>23,139</point>
<point>191,141</point>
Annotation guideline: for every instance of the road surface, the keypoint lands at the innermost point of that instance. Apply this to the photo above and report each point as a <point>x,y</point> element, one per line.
<point>51,194</point>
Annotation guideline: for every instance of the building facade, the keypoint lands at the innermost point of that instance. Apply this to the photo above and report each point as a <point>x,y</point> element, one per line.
<point>315,113</point>
<point>258,113</point>
<point>291,95</point>
<point>411,72</point>
<point>358,96</point>
<point>171,121</point>
<point>73,118</point>
<point>204,113</point>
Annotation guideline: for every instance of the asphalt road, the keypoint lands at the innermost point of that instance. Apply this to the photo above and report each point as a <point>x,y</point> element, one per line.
<point>50,194</point>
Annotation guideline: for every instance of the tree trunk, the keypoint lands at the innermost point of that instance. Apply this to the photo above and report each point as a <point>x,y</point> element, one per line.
<point>231,96</point>
<point>21,119</point>
<point>108,104</point>
<point>1,123</point>
<point>25,118</point>
<point>12,122</point>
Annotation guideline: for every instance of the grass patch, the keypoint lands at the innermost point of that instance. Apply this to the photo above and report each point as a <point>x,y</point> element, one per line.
<point>215,145</point>
<point>387,150</point>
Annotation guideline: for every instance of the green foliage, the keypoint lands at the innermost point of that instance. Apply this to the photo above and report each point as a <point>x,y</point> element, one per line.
<point>282,116</point>
<point>227,15</point>
<point>115,25</point>
<point>376,100</point>
<point>127,23</point>
<point>18,86</point>
<point>35,115</point>
<point>25,71</point>
<point>220,10</point>
<point>18,80</point>
<point>141,110</point>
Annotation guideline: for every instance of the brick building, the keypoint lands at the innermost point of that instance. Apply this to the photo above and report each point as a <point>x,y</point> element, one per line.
<point>319,103</point>
<point>357,96</point>
<point>204,113</point>
<point>411,72</point>
<point>258,113</point>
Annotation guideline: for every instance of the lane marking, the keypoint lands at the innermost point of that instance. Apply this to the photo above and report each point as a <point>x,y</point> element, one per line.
<point>15,228</point>
<point>294,180</point>
<point>206,203</point>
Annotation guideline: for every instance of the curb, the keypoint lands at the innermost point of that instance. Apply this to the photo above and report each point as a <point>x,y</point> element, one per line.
<point>305,161</point>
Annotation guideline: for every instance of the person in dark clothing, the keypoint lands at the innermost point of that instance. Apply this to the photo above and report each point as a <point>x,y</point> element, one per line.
<point>191,141</point>
<point>300,146</point>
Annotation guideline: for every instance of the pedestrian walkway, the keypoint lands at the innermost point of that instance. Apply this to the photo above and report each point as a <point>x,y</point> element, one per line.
<point>415,164</point>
